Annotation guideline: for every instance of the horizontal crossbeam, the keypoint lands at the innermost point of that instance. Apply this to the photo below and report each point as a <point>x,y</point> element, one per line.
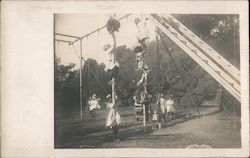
<point>60,34</point>
<point>63,41</point>
<point>97,30</point>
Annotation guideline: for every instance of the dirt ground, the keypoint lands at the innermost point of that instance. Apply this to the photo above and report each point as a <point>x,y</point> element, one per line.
<point>215,129</point>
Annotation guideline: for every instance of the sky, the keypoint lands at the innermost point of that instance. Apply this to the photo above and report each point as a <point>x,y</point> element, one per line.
<point>81,24</point>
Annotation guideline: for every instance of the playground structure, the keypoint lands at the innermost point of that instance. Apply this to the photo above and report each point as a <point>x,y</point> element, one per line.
<point>210,60</point>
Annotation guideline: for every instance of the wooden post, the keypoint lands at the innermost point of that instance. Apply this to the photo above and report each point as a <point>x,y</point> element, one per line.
<point>158,74</point>
<point>81,79</point>
<point>114,58</point>
<point>144,114</point>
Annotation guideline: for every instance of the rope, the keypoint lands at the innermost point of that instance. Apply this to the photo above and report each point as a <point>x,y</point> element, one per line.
<point>98,43</point>
<point>93,72</point>
<point>87,48</point>
<point>76,51</point>
<point>178,70</point>
<point>90,70</point>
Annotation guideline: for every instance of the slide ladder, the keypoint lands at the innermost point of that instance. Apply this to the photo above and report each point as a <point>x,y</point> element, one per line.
<point>211,61</point>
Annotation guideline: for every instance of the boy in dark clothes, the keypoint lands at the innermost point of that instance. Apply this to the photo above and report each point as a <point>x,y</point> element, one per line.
<point>154,111</point>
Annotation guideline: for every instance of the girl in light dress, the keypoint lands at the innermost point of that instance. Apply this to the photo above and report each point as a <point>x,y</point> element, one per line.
<point>113,67</point>
<point>113,120</point>
<point>170,106</point>
<point>93,105</point>
<point>142,34</point>
<point>162,106</point>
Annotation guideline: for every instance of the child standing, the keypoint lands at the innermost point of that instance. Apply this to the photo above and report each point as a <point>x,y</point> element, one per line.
<point>170,106</point>
<point>162,105</point>
<point>154,111</point>
<point>113,119</point>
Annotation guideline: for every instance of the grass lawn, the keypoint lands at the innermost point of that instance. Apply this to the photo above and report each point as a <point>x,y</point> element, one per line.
<point>216,129</point>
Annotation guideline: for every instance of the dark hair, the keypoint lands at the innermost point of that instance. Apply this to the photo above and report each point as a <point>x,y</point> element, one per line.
<point>138,49</point>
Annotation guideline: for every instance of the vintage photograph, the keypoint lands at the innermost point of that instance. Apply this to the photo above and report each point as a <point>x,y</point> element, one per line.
<point>147,81</point>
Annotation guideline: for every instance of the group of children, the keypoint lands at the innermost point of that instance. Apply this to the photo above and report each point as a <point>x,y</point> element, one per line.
<point>157,113</point>
<point>139,51</point>
<point>112,68</point>
<point>167,106</point>
<point>113,120</point>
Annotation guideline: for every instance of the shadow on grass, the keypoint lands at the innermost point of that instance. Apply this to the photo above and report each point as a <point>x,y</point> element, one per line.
<point>92,138</point>
<point>96,137</point>
<point>213,112</point>
<point>132,132</point>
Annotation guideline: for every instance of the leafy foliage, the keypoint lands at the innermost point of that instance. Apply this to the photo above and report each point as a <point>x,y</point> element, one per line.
<point>219,31</point>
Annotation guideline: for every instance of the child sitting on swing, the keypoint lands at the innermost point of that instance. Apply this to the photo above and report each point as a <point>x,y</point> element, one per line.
<point>91,108</point>
<point>95,102</point>
<point>113,119</point>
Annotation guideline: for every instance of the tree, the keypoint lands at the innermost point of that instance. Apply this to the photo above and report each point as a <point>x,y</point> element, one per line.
<point>66,83</point>
<point>95,80</point>
<point>62,73</point>
<point>219,31</point>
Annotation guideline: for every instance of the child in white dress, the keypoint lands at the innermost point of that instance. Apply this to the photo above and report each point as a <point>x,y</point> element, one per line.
<point>142,34</point>
<point>113,120</point>
<point>170,106</point>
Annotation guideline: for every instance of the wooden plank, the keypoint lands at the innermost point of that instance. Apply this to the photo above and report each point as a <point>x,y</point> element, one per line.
<point>206,48</point>
<point>207,60</point>
<point>231,89</point>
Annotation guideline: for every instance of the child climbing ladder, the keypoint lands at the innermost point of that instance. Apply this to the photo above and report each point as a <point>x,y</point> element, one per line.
<point>142,36</point>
